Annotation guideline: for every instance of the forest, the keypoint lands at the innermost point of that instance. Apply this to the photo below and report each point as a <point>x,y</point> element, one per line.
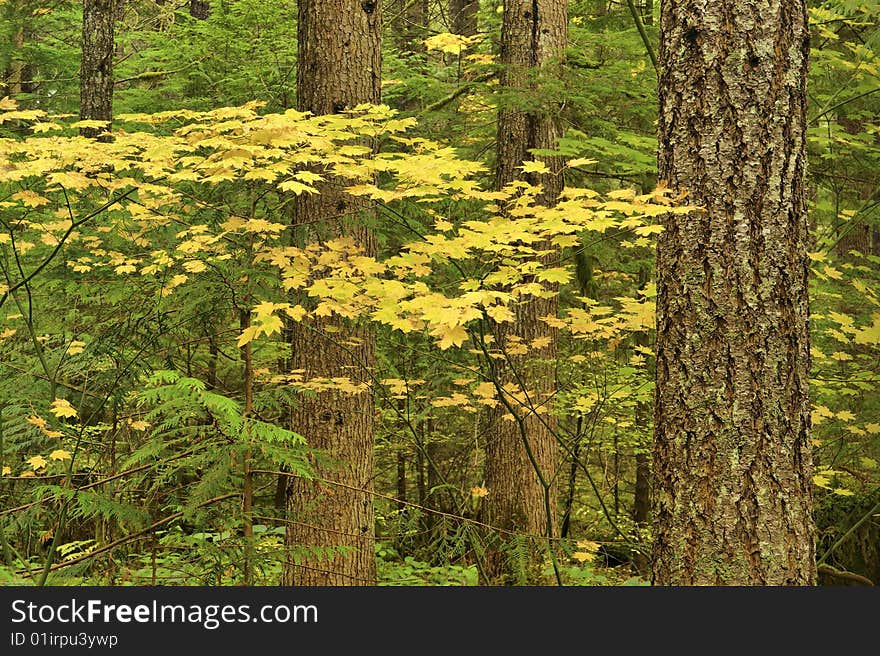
<point>439,293</point>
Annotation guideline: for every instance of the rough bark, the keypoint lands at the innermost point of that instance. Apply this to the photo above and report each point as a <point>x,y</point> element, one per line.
<point>519,453</point>
<point>340,60</point>
<point>338,68</point>
<point>199,9</point>
<point>732,462</point>
<point>463,16</point>
<point>96,71</point>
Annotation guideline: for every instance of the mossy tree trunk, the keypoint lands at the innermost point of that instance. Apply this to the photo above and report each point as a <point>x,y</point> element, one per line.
<point>732,462</point>
<point>96,69</point>
<point>338,68</point>
<point>521,449</point>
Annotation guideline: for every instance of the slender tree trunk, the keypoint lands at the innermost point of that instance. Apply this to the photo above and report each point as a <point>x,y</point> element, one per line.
<point>648,12</point>
<point>96,71</point>
<point>463,16</point>
<point>247,491</point>
<point>410,24</point>
<point>522,454</point>
<point>642,493</point>
<point>401,479</point>
<point>338,68</point>
<point>18,72</point>
<point>732,463</point>
<point>571,488</point>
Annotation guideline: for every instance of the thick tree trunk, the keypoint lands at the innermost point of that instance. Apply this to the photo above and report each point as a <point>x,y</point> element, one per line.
<point>732,463</point>
<point>96,71</point>
<point>463,16</point>
<point>521,453</point>
<point>338,68</point>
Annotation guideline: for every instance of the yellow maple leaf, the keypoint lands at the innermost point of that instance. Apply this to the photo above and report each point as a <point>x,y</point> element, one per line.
<point>248,335</point>
<point>34,420</point>
<point>23,115</point>
<point>296,187</point>
<point>45,126</point>
<point>6,471</point>
<point>540,342</point>
<point>819,413</point>
<point>450,336</point>
<point>37,462</point>
<point>62,408</point>
<point>76,347</point>
<point>500,313</point>
<point>534,166</point>
<point>271,324</point>
<point>456,399</point>
<point>822,481</point>
<point>558,274</point>
<point>583,556</point>
<point>139,425</point>
<point>478,492</point>
<point>59,454</point>
<point>29,198</point>
<point>871,334</point>
<point>90,123</point>
<point>647,230</point>
<point>297,312</point>
<point>831,272</point>
<point>453,44</point>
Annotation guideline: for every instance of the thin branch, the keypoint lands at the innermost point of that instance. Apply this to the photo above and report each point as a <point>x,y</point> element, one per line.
<point>640,25</point>
<point>460,91</point>
<point>73,226</point>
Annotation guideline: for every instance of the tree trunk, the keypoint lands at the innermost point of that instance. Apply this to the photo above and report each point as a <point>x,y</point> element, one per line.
<point>401,479</point>
<point>200,9</point>
<point>463,16</point>
<point>522,454</point>
<point>648,12</point>
<point>732,462</point>
<point>642,492</point>
<point>18,72</point>
<point>410,24</point>
<point>338,68</point>
<point>96,72</point>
